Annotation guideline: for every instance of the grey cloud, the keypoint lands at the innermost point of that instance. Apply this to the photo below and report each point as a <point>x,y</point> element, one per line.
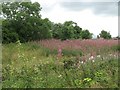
<point>99,8</point>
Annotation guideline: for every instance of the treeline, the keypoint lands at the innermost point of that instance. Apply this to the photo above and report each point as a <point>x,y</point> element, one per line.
<point>22,21</point>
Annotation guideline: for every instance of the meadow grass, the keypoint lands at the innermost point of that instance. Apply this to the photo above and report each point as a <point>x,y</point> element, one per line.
<point>30,65</point>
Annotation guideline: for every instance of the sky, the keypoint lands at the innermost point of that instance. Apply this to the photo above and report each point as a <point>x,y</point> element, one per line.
<point>88,14</point>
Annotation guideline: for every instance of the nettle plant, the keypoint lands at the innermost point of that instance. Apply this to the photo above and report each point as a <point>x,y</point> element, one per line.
<point>86,82</point>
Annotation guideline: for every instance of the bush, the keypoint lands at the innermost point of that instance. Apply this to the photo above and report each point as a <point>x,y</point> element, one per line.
<point>71,52</point>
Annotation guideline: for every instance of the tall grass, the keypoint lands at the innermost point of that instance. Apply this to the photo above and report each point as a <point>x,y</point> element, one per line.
<point>31,65</point>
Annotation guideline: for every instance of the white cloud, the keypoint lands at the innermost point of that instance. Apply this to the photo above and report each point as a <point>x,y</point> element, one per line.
<point>85,18</point>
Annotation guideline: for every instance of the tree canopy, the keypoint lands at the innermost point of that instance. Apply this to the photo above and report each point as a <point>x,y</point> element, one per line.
<point>22,21</point>
<point>104,34</point>
<point>67,30</point>
<point>86,34</point>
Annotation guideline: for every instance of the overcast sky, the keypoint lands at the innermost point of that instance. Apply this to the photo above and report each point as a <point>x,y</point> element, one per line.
<point>94,16</point>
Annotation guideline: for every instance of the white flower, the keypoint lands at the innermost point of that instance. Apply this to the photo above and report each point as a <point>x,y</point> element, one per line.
<point>98,55</point>
<point>36,69</point>
<point>82,62</point>
<point>91,57</point>
<point>60,76</point>
<point>19,56</point>
<point>110,54</point>
<point>19,43</point>
<point>34,57</point>
<point>93,60</point>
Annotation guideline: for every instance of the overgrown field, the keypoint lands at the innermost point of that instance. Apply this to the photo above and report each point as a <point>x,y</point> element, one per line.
<point>79,64</point>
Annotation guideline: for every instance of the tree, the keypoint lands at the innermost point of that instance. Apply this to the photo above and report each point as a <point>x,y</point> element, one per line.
<point>16,1</point>
<point>77,31</point>
<point>86,34</point>
<point>98,36</point>
<point>64,31</point>
<point>68,30</point>
<point>24,19</point>
<point>8,35</point>
<point>104,34</point>
<point>57,31</point>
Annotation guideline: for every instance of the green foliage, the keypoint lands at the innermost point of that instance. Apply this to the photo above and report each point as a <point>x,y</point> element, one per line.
<point>86,34</point>
<point>116,48</point>
<point>23,69</point>
<point>98,36</point>
<point>71,52</point>
<point>104,34</point>
<point>23,21</point>
<point>57,31</point>
<point>67,30</point>
<point>77,31</point>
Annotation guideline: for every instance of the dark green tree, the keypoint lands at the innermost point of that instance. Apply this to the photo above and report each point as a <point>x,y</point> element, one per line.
<point>86,34</point>
<point>77,31</point>
<point>24,20</point>
<point>98,36</point>
<point>9,34</point>
<point>68,30</point>
<point>57,31</point>
<point>104,34</point>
